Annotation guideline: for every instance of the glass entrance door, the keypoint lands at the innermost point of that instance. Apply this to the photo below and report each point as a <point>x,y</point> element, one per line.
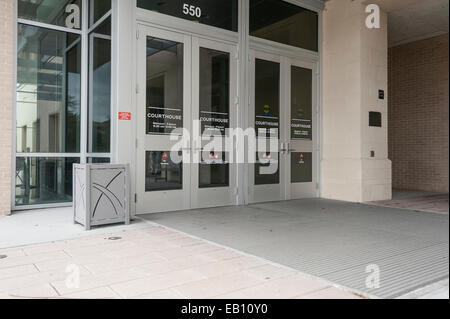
<point>163,121</point>
<point>187,90</point>
<point>214,112</point>
<point>298,148</point>
<point>282,112</point>
<point>266,112</point>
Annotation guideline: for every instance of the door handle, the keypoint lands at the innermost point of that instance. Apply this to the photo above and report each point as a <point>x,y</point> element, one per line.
<point>289,149</point>
<point>196,149</point>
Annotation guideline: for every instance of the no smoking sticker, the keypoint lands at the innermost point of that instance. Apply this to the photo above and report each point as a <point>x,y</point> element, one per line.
<point>124,116</point>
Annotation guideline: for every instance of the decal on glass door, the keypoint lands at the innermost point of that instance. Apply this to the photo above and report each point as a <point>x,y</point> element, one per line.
<point>214,92</point>
<point>301,167</point>
<point>164,95</point>
<point>267,98</point>
<point>301,103</point>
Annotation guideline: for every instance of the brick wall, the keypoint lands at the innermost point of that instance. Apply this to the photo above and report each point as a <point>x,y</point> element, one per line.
<point>419,115</point>
<point>6,101</point>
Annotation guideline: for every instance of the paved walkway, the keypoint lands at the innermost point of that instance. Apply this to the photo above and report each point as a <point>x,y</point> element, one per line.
<point>341,242</point>
<point>151,263</point>
<point>417,201</point>
<point>45,225</point>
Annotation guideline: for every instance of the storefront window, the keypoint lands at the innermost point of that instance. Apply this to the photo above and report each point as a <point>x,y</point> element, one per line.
<point>44,180</point>
<point>48,91</point>
<point>100,89</point>
<point>285,23</point>
<point>217,13</point>
<point>97,9</point>
<point>63,13</point>
<point>49,103</point>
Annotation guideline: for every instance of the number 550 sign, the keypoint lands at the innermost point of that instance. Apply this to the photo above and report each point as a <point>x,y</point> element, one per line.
<point>191,10</point>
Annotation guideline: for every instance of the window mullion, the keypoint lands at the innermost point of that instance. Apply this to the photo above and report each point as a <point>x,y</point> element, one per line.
<point>84,82</point>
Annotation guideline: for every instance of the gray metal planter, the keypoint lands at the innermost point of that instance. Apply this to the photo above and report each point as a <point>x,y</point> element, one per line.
<point>101,194</point>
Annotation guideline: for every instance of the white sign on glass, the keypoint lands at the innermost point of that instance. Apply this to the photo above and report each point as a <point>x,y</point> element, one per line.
<point>191,10</point>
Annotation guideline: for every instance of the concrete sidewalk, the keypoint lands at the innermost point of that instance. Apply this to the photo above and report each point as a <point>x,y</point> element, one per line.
<point>332,242</point>
<point>46,225</point>
<point>338,241</point>
<point>150,263</point>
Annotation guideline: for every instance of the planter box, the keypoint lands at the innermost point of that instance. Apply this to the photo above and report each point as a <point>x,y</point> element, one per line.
<point>101,194</point>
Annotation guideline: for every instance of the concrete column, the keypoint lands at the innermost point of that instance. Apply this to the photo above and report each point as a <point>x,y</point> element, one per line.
<point>7,28</point>
<point>355,67</point>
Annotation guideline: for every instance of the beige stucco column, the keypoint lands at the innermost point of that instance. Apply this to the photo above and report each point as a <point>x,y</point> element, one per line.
<point>355,68</point>
<point>6,101</point>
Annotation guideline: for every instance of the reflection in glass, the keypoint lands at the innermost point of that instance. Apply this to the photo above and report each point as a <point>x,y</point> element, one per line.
<point>264,161</point>
<point>44,180</point>
<point>267,98</point>
<point>284,22</point>
<point>301,103</point>
<point>99,160</point>
<point>97,9</point>
<point>214,171</point>
<point>52,12</point>
<point>163,171</point>
<point>301,167</point>
<point>217,13</point>
<point>100,89</point>
<point>164,86</point>
<point>214,91</point>
<point>48,91</point>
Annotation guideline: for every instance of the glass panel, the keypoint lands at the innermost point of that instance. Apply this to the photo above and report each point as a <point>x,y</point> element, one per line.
<point>163,171</point>
<point>267,169</point>
<point>267,98</point>
<point>64,13</point>
<point>216,13</point>
<point>286,23</point>
<point>301,103</point>
<point>214,91</point>
<point>214,171</point>
<point>104,28</point>
<point>301,167</point>
<point>164,86</point>
<point>100,90</point>
<point>44,180</point>
<point>99,160</point>
<point>48,91</point>
<point>97,9</point>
